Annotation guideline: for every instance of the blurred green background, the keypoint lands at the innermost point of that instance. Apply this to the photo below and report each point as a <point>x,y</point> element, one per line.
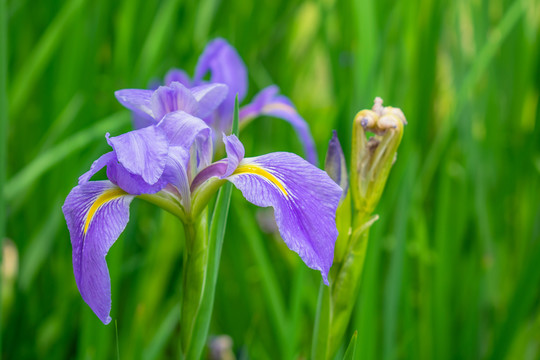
<point>453,265</point>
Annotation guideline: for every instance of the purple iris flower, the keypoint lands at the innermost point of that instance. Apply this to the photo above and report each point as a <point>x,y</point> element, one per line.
<point>170,164</point>
<point>225,66</point>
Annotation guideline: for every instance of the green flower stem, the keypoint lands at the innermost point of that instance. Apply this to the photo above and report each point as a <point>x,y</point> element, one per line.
<point>203,195</point>
<point>165,202</point>
<point>202,256</point>
<point>336,301</point>
<point>194,277</point>
<point>346,285</point>
<point>217,233</point>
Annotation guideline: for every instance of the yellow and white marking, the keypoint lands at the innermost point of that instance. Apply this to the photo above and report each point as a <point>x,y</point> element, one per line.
<point>108,195</point>
<point>257,170</point>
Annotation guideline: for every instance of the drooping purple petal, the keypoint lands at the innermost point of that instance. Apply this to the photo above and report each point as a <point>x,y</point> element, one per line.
<point>132,183</point>
<point>254,109</point>
<point>177,75</point>
<point>304,199</point>
<point>235,153</point>
<point>269,103</point>
<point>209,97</point>
<point>226,67</point>
<point>335,164</point>
<point>174,97</point>
<point>142,152</point>
<point>96,214</point>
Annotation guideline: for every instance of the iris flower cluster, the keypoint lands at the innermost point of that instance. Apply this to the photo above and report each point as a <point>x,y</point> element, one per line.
<point>169,160</point>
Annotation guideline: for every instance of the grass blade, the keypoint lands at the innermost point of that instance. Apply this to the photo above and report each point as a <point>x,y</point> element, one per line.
<point>155,40</point>
<point>351,349</point>
<point>31,70</point>
<point>164,332</point>
<point>31,172</point>
<point>3,131</point>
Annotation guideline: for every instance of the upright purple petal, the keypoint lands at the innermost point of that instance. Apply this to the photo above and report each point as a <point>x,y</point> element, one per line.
<point>96,214</point>
<point>182,129</point>
<point>175,97</point>
<point>190,133</point>
<point>226,67</point>
<point>335,164</point>
<point>204,149</point>
<point>138,101</point>
<point>235,153</point>
<point>304,199</point>
<point>269,103</point>
<point>176,173</point>
<point>177,75</point>
<point>142,152</point>
<point>209,97</point>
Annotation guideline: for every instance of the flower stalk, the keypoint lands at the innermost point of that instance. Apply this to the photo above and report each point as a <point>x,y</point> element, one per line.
<point>371,161</point>
<point>194,276</point>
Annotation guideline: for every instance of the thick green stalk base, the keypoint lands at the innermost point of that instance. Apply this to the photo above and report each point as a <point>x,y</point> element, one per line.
<point>194,277</point>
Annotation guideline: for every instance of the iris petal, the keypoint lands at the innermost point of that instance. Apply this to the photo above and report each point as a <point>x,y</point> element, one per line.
<point>235,153</point>
<point>138,101</point>
<point>174,97</point>
<point>176,173</point>
<point>96,214</point>
<point>177,75</point>
<point>142,152</point>
<point>269,103</point>
<point>226,67</point>
<point>209,97</point>
<point>304,199</point>
<point>97,165</point>
<point>135,99</point>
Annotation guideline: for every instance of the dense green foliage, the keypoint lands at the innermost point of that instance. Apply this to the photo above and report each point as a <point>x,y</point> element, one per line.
<point>453,264</point>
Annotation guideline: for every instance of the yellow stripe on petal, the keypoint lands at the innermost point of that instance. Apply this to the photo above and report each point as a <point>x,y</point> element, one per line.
<point>257,170</point>
<point>107,196</point>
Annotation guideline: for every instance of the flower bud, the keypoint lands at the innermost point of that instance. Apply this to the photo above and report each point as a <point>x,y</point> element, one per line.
<point>372,157</point>
<point>335,164</point>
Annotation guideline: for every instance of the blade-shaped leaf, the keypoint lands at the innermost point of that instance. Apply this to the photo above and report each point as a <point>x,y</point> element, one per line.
<point>351,349</point>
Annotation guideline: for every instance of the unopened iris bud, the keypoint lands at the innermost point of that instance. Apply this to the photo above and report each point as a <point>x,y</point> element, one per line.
<point>372,158</point>
<point>335,164</point>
